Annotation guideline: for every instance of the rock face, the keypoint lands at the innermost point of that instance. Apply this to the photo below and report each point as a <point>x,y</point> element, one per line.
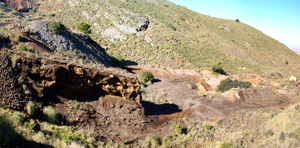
<point>80,45</point>
<point>20,5</point>
<point>107,100</point>
<point>51,79</point>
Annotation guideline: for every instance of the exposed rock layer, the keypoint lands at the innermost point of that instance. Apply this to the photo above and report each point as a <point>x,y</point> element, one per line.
<point>20,5</point>
<point>51,79</point>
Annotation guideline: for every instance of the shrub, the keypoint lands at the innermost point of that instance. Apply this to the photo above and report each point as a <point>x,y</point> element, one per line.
<point>23,47</point>
<point>69,135</point>
<point>207,126</point>
<point>84,28</point>
<point>179,128</point>
<point>281,137</point>
<point>39,137</point>
<point>50,114</point>
<point>20,38</point>
<point>171,26</point>
<point>146,77</point>
<point>18,118</point>
<point>30,107</point>
<point>218,68</point>
<point>228,84</point>
<point>297,134</point>
<point>14,60</point>
<point>287,62</point>
<point>152,142</point>
<point>56,28</point>
<point>117,59</point>
<point>237,20</point>
<point>30,125</point>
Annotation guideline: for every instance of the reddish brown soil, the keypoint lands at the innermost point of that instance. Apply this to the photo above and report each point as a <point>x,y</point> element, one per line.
<point>179,90</point>
<point>32,43</point>
<point>20,5</point>
<point>109,100</point>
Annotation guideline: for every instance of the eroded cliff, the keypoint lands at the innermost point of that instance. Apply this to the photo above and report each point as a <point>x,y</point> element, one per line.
<point>105,99</point>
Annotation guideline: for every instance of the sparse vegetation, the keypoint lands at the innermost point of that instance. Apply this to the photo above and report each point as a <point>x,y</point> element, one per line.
<point>152,141</point>
<point>14,60</point>
<point>179,128</point>
<point>31,108</point>
<point>56,28</point>
<point>50,114</point>
<point>23,47</point>
<point>207,126</point>
<point>228,84</point>
<point>146,77</point>
<point>84,28</point>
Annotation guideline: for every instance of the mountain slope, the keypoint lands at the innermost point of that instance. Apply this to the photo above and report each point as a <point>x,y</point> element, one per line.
<point>176,37</point>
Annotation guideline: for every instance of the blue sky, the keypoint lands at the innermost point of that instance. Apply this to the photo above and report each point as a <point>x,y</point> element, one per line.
<point>279,19</point>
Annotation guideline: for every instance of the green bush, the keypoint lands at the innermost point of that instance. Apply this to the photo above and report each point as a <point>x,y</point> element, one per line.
<point>207,126</point>
<point>18,118</point>
<point>69,135</point>
<point>152,142</point>
<point>146,77</point>
<point>218,68</point>
<point>30,107</point>
<point>179,128</point>
<point>23,47</point>
<point>282,137</point>
<point>171,26</point>
<point>117,59</point>
<point>20,38</point>
<point>56,28</point>
<point>84,28</point>
<point>50,114</point>
<point>228,84</point>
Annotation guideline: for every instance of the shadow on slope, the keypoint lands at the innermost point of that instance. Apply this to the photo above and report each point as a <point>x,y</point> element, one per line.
<point>160,109</point>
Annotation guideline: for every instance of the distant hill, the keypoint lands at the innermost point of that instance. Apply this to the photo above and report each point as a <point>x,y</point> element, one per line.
<point>163,34</point>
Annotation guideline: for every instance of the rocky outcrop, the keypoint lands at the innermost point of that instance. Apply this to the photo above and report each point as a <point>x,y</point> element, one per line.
<point>143,25</point>
<point>20,5</point>
<point>81,46</point>
<point>51,79</point>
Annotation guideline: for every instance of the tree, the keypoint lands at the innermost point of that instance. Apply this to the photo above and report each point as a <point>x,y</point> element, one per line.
<point>237,20</point>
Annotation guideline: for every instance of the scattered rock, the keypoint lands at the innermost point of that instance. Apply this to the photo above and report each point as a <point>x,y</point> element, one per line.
<point>142,26</point>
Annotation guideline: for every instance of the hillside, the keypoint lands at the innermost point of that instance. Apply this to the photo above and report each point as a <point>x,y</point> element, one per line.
<point>67,86</point>
<point>176,36</point>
